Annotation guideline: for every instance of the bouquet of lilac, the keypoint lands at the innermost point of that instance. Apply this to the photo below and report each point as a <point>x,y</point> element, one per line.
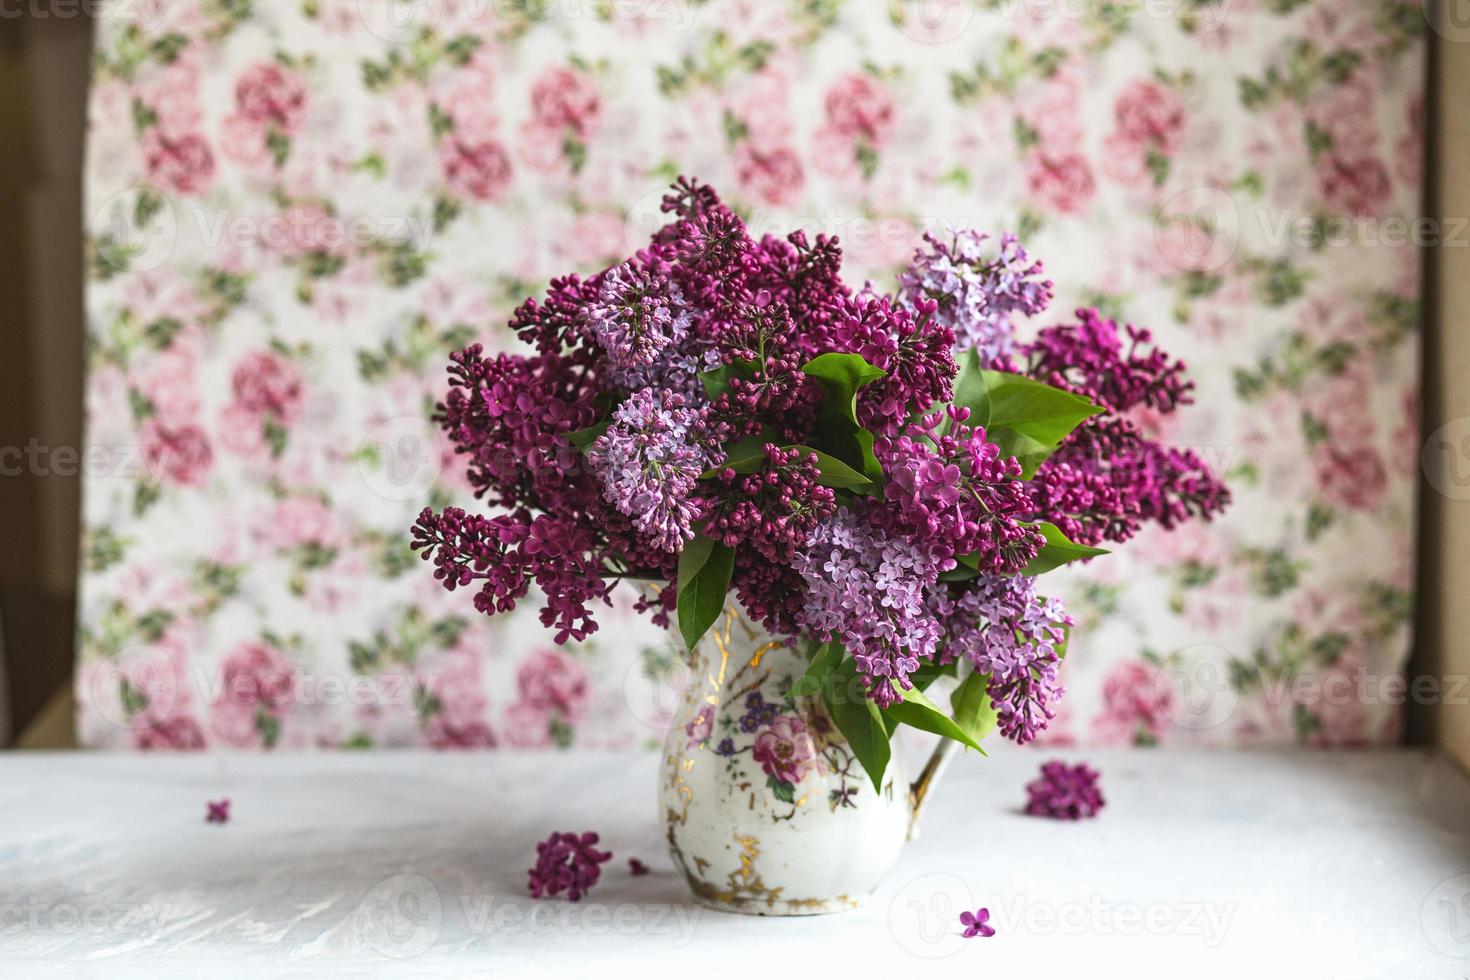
<point>881,478</point>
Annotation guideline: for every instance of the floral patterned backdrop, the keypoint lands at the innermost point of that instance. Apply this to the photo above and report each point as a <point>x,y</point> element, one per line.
<point>296,209</point>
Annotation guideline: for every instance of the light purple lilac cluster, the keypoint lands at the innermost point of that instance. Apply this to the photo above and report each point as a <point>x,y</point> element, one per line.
<point>1016,638</point>
<point>867,588</point>
<point>976,288</point>
<point>736,393</point>
<point>649,461</point>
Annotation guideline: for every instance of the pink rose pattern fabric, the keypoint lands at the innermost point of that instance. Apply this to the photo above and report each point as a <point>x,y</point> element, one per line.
<point>296,211</point>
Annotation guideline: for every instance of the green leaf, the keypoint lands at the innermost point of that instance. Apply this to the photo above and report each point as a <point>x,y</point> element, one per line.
<point>704,579</point>
<point>838,432</point>
<point>833,472</point>
<point>781,789</point>
<point>1057,551</point>
<point>582,438</point>
<point>972,707</point>
<point>1028,419</point>
<point>848,371</point>
<point>929,672</point>
<point>749,456</point>
<point>815,679</point>
<point>746,456</point>
<point>858,719</point>
<point>717,382</point>
<point>918,711</point>
<point>970,390</point>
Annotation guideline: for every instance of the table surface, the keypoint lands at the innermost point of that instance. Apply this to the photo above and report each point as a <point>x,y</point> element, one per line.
<point>406,864</point>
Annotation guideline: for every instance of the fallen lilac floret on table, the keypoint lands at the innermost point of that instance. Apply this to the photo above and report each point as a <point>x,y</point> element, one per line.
<point>1065,792</point>
<point>566,863</point>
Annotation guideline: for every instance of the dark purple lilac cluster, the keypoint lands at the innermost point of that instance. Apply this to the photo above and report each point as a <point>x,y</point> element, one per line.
<point>1109,478</point>
<point>1064,792</point>
<point>727,413</point>
<point>568,863</point>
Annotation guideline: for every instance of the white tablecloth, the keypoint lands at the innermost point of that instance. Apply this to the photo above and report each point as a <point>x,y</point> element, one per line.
<point>406,865</point>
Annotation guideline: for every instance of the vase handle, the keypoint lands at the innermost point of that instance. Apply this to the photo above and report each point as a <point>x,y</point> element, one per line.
<point>921,788</point>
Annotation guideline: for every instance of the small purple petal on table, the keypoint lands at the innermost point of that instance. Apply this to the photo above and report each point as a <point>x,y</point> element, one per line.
<point>977,923</point>
<point>218,811</point>
<point>637,867</point>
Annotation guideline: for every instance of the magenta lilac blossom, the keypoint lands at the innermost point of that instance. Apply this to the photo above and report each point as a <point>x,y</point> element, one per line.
<point>217,811</point>
<point>1065,792</point>
<point>977,923</point>
<point>568,863</point>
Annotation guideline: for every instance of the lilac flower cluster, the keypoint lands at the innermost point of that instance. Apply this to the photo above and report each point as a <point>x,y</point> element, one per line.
<point>568,863</point>
<point>649,461</point>
<point>1109,478</point>
<point>637,315</point>
<point>867,588</point>
<point>976,289</point>
<point>1064,792</point>
<point>954,488</point>
<point>734,392</point>
<point>1014,637</point>
<point>774,509</point>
